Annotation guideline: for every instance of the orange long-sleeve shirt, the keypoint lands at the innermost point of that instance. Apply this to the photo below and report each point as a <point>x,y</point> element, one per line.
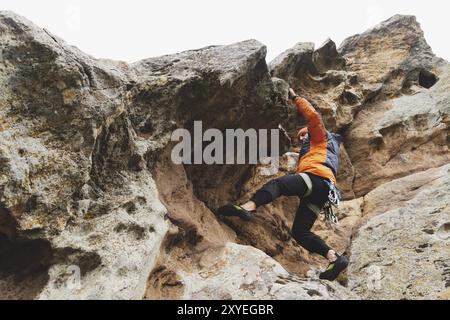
<point>320,152</point>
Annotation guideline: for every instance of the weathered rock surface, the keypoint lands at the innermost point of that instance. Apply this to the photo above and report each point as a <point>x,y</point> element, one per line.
<point>404,126</point>
<point>68,179</point>
<point>404,251</point>
<point>79,138</point>
<point>397,137</point>
<point>243,272</point>
<point>91,205</point>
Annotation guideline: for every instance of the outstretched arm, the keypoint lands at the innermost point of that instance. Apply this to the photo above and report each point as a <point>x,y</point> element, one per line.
<point>316,128</point>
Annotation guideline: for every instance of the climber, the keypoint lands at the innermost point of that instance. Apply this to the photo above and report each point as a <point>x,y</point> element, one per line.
<point>314,183</point>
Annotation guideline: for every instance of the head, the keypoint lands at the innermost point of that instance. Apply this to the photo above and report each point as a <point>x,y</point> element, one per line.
<point>303,134</point>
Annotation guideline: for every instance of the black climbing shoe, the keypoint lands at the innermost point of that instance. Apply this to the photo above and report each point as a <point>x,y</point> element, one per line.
<point>231,210</point>
<point>334,269</point>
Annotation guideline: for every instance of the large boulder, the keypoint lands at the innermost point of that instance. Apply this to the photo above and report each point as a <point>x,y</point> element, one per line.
<point>241,272</point>
<point>390,57</point>
<point>79,140</point>
<point>393,138</point>
<point>69,187</point>
<point>403,251</point>
<point>404,125</point>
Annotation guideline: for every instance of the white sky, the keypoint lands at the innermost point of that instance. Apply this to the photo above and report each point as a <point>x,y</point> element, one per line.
<point>135,29</point>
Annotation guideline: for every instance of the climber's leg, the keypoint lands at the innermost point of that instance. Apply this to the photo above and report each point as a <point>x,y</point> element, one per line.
<point>301,232</point>
<point>289,185</point>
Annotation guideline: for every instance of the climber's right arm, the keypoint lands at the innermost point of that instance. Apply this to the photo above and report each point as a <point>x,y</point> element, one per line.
<point>316,128</point>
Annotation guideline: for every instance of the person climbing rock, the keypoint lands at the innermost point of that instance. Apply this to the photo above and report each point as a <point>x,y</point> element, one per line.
<point>314,183</point>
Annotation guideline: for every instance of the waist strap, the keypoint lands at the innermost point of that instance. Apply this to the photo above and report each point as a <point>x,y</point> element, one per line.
<point>308,183</point>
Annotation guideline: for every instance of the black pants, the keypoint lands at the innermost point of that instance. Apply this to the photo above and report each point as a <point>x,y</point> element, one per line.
<point>294,185</point>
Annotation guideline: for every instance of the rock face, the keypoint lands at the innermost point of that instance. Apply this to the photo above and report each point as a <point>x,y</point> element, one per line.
<point>79,139</point>
<point>404,252</point>
<point>243,272</point>
<point>92,206</point>
<point>404,126</point>
<point>70,186</point>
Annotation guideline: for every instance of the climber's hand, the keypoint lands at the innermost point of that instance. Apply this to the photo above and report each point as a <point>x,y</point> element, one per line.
<point>292,94</point>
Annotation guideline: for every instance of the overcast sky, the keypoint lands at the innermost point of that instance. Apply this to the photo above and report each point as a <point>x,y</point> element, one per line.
<point>135,29</point>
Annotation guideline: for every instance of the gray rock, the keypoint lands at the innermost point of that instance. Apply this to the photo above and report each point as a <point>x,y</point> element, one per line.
<point>390,56</point>
<point>293,62</point>
<point>84,168</point>
<point>243,272</point>
<point>327,57</point>
<point>403,252</point>
<point>80,136</point>
<point>386,91</point>
<point>400,136</point>
<point>62,114</point>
